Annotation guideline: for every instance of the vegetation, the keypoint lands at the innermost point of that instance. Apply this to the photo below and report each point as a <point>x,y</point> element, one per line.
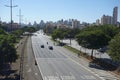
<point>96,37</point>
<point>64,33</point>
<point>7,50</point>
<point>72,49</point>
<point>93,37</point>
<point>29,29</point>
<point>114,48</point>
<point>7,43</point>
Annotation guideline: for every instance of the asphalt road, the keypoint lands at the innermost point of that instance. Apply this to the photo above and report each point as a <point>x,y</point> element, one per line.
<point>55,65</point>
<point>31,70</point>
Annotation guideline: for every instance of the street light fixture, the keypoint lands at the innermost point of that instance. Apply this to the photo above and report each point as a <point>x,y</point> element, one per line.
<point>11,6</point>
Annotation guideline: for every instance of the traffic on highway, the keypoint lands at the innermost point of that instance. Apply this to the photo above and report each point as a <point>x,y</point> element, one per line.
<point>53,64</point>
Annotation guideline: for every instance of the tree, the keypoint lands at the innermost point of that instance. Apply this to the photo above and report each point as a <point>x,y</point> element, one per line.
<point>7,50</point>
<point>2,32</point>
<point>11,38</point>
<point>92,39</point>
<point>17,33</point>
<point>110,30</point>
<point>114,48</point>
<point>55,34</point>
<point>29,29</point>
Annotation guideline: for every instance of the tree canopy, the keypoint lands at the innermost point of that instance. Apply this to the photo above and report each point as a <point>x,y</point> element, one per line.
<point>92,39</point>
<point>114,48</point>
<point>7,50</point>
<point>95,37</point>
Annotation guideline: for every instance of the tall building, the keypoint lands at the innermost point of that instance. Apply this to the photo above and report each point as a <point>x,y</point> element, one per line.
<point>103,20</point>
<point>115,15</point>
<point>42,24</point>
<point>106,20</point>
<point>75,24</point>
<point>97,22</point>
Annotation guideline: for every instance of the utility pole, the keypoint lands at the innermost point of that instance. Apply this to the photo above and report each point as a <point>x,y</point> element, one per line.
<point>11,6</point>
<point>20,17</point>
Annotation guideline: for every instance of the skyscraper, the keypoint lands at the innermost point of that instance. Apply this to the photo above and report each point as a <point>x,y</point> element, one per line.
<point>115,15</point>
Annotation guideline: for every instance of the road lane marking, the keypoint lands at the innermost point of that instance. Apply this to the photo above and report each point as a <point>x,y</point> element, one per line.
<point>51,78</point>
<point>59,78</point>
<point>36,73</point>
<point>84,67</point>
<point>67,77</point>
<point>29,70</point>
<point>88,77</point>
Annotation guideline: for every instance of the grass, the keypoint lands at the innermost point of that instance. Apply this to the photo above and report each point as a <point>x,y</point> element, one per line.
<point>72,49</point>
<point>79,53</point>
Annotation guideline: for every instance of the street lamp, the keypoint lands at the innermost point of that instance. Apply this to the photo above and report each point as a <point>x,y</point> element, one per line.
<point>11,6</point>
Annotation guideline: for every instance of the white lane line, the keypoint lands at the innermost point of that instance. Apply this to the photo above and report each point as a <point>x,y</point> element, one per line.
<point>51,78</point>
<point>29,70</point>
<point>88,77</point>
<point>84,67</point>
<point>67,77</point>
<point>36,73</point>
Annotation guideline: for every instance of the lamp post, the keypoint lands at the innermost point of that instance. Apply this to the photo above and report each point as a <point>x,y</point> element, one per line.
<point>11,6</point>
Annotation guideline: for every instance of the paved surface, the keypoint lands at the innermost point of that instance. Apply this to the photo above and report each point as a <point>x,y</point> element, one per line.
<point>55,65</point>
<point>31,71</point>
<point>105,75</point>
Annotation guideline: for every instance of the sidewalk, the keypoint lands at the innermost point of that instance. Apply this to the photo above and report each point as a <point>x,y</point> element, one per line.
<point>105,75</point>
<point>75,45</point>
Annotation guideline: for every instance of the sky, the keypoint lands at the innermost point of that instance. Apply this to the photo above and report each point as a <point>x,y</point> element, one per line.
<point>54,10</point>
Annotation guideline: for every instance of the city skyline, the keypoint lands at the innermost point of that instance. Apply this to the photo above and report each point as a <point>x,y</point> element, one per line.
<point>82,10</point>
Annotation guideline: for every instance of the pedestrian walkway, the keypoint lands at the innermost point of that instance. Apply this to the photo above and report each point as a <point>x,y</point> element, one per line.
<point>75,45</point>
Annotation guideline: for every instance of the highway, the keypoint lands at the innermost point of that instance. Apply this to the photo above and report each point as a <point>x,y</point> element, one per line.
<point>31,71</point>
<point>54,64</point>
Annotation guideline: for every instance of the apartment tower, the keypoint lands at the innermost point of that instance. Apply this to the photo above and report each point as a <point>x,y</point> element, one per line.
<point>115,15</point>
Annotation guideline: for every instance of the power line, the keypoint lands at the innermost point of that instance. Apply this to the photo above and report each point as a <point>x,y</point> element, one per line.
<point>20,17</point>
<point>11,6</point>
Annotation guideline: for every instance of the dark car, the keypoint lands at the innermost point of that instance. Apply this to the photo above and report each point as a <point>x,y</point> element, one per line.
<point>102,49</point>
<point>50,47</point>
<point>42,46</point>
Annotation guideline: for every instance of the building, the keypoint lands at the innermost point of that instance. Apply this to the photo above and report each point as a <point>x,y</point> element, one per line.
<point>112,20</point>
<point>103,20</point>
<point>14,26</point>
<point>106,20</point>
<point>75,24</point>
<point>42,24</point>
<point>97,22</point>
<point>115,15</point>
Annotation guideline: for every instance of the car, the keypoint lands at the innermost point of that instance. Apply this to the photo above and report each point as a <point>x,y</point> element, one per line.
<point>42,46</point>
<point>50,47</point>
<point>102,49</point>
